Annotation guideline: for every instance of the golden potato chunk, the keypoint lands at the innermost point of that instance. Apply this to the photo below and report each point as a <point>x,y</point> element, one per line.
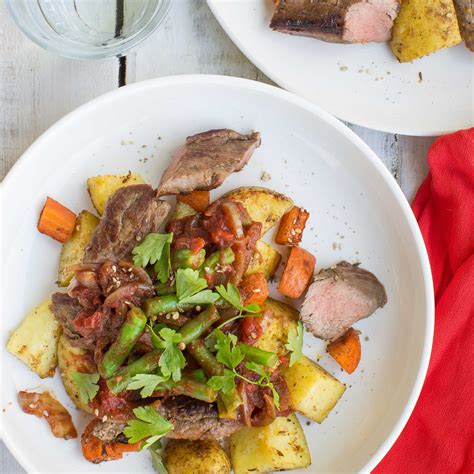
<point>313,392</point>
<point>423,27</point>
<point>72,252</point>
<point>73,359</point>
<point>102,187</point>
<point>182,456</point>
<point>264,260</point>
<point>262,204</point>
<point>277,320</point>
<point>35,340</point>
<point>278,446</point>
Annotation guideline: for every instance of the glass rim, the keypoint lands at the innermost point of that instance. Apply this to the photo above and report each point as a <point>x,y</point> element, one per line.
<point>96,52</point>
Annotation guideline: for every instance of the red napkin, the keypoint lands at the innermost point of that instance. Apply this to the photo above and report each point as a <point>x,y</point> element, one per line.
<point>439,437</point>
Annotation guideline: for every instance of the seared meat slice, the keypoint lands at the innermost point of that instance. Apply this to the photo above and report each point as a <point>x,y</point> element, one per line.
<point>338,298</point>
<point>193,419</point>
<point>65,310</point>
<point>206,160</point>
<point>337,21</point>
<point>107,431</point>
<point>130,214</point>
<point>465,14</point>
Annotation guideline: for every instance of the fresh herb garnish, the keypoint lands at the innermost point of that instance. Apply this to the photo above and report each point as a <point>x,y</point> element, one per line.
<point>148,383</point>
<point>229,354</point>
<point>172,359</point>
<point>295,343</point>
<point>148,424</point>
<point>199,375</point>
<point>157,460</point>
<point>232,295</point>
<point>155,250</point>
<point>192,289</point>
<point>87,385</point>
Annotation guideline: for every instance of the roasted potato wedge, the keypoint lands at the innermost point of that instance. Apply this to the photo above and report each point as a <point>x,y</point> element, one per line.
<point>278,446</point>
<point>265,260</point>
<point>35,340</point>
<point>423,27</point>
<point>313,391</point>
<point>73,249</point>
<point>182,210</point>
<point>73,359</point>
<point>277,320</point>
<point>102,187</point>
<point>262,204</point>
<point>182,456</point>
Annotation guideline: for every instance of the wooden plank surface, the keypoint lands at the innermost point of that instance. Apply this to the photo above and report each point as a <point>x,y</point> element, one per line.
<point>37,88</point>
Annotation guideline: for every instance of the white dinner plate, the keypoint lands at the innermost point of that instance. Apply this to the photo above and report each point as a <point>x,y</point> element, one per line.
<point>358,213</point>
<point>362,84</point>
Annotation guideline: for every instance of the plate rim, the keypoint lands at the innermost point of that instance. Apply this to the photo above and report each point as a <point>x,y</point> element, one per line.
<point>213,6</point>
<point>220,80</point>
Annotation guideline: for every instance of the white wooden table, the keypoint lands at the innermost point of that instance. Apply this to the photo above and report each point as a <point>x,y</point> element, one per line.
<point>38,88</point>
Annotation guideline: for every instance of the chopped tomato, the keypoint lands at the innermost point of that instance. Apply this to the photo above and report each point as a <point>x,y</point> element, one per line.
<point>251,329</point>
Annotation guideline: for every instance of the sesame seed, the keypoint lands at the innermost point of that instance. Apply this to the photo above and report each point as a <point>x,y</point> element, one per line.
<point>298,231</point>
<point>138,238</point>
<point>175,315</point>
<point>96,412</point>
<point>257,290</point>
<point>45,413</point>
<point>31,405</point>
<point>104,418</point>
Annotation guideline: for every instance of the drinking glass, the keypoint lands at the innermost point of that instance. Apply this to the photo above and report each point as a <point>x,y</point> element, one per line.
<point>88,29</point>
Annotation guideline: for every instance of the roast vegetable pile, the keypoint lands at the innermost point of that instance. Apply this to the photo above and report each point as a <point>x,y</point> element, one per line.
<point>171,333</point>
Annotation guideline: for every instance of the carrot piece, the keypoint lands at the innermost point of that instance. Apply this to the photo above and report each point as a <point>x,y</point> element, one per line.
<point>254,289</point>
<point>92,447</point>
<point>198,200</point>
<point>297,273</point>
<point>56,221</point>
<point>292,224</point>
<point>346,350</point>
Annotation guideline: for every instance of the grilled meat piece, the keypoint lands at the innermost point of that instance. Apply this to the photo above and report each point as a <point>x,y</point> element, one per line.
<point>465,14</point>
<point>338,298</point>
<point>107,431</point>
<point>130,214</point>
<point>193,419</point>
<point>206,159</point>
<point>337,21</point>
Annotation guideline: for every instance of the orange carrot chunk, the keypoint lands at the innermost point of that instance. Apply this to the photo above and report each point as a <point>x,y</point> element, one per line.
<point>297,273</point>
<point>56,221</point>
<point>254,289</point>
<point>198,200</point>
<point>346,350</point>
<point>292,225</point>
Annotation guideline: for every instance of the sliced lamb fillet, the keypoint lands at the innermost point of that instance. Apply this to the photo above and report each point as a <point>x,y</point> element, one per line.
<point>130,214</point>
<point>338,298</point>
<point>465,14</point>
<point>206,159</point>
<point>337,21</point>
<point>194,419</point>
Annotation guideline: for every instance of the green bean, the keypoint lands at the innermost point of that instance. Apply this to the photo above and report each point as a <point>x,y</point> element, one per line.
<point>222,257</point>
<point>192,330</point>
<point>163,305</point>
<point>164,289</point>
<point>190,387</point>
<point>146,364</point>
<point>186,258</point>
<point>128,335</point>
<point>205,358</point>
<point>254,354</point>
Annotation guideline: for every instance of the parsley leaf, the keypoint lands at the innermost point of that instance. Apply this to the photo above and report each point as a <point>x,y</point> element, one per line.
<point>203,297</point>
<point>172,359</point>
<point>188,283</point>
<point>148,424</point>
<point>87,385</point>
<point>232,295</point>
<point>199,375</point>
<point>228,353</point>
<point>155,249</point>
<point>295,343</point>
<point>225,383</point>
<point>147,382</point>
<point>157,461</point>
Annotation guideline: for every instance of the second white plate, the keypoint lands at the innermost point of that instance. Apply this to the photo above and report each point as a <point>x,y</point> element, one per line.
<point>362,84</point>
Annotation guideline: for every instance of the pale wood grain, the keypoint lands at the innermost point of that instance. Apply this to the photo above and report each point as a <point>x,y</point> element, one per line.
<point>37,88</point>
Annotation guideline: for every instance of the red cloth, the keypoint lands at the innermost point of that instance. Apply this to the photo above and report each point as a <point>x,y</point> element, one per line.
<point>439,437</point>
